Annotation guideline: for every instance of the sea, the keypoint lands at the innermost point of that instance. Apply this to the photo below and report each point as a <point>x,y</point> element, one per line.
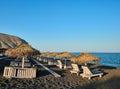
<point>108,59</point>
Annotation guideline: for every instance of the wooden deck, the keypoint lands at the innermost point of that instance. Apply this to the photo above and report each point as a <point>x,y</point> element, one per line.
<point>17,72</point>
<point>49,70</point>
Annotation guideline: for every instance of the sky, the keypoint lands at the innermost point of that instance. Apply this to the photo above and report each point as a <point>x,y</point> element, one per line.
<point>64,25</point>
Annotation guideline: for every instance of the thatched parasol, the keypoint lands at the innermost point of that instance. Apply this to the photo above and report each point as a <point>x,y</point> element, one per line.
<point>74,59</point>
<point>84,58</point>
<point>64,55</point>
<point>49,54</point>
<point>22,50</point>
<point>45,53</point>
<point>52,54</point>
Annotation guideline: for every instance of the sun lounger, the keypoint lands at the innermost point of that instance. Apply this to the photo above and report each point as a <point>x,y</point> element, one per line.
<point>75,69</point>
<point>89,74</point>
<point>59,64</point>
<point>14,63</point>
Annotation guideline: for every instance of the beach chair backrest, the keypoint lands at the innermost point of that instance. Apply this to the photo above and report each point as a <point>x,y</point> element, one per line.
<point>59,62</point>
<point>86,70</point>
<point>75,67</point>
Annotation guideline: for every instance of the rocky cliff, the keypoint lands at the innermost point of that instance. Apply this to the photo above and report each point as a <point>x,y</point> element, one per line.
<point>9,41</point>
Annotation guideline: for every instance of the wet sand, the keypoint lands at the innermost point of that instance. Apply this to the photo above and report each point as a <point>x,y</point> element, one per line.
<point>44,80</point>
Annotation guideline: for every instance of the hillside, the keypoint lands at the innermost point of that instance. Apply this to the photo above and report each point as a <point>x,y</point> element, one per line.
<point>9,41</point>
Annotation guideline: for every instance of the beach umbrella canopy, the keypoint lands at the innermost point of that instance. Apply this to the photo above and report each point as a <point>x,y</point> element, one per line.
<point>45,53</point>
<point>64,55</point>
<point>52,54</point>
<point>22,50</point>
<point>74,59</point>
<point>84,58</point>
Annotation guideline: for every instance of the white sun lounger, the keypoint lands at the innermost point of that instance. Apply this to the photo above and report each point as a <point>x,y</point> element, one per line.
<point>88,73</point>
<point>75,69</point>
<point>59,64</point>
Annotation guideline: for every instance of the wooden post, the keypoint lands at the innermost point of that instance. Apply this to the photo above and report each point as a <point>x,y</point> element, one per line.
<point>23,62</point>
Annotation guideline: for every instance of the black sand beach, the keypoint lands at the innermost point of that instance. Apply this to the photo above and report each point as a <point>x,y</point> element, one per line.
<point>45,80</point>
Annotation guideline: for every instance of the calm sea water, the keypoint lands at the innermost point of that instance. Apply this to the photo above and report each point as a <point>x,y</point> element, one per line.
<point>109,59</point>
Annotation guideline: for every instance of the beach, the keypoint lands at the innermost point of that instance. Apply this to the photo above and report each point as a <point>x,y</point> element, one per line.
<point>59,44</point>
<point>45,80</point>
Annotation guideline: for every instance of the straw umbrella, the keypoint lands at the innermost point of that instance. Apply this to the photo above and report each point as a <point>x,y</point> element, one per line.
<point>74,59</point>
<point>85,58</point>
<point>52,54</point>
<point>65,55</point>
<point>22,50</point>
<point>45,53</point>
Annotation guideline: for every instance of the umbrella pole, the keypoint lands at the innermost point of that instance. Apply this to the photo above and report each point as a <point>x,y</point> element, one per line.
<point>54,60</point>
<point>65,63</point>
<point>23,62</point>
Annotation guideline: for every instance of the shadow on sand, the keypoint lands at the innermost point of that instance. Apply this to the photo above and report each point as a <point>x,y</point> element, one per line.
<point>112,83</point>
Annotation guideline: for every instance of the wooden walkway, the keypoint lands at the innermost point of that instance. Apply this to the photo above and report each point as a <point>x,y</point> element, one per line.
<point>51,71</point>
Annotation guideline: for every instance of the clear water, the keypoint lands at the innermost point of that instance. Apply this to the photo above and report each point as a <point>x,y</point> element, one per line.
<point>109,59</point>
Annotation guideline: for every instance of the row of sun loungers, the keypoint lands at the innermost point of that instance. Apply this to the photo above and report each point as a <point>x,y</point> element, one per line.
<point>86,71</point>
<point>52,61</point>
<point>18,63</point>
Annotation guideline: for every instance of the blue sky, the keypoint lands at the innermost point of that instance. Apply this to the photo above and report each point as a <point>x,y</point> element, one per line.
<point>64,25</point>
